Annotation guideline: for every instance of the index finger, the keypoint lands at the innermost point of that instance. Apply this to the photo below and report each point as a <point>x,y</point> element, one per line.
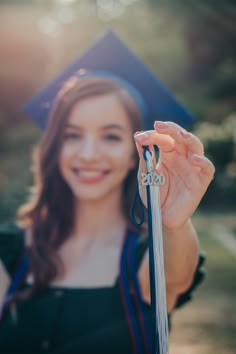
<point>151,137</point>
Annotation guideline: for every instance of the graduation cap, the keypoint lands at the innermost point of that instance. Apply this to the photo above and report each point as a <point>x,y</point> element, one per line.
<point>110,56</point>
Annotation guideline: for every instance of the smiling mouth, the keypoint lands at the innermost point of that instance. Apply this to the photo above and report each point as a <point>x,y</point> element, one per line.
<point>90,176</point>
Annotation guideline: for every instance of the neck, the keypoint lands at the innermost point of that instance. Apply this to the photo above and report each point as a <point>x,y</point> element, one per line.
<point>100,220</point>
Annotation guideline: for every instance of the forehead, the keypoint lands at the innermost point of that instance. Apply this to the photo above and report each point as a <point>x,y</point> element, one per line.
<point>99,110</point>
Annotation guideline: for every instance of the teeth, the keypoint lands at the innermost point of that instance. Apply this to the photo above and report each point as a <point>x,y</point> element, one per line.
<point>90,174</point>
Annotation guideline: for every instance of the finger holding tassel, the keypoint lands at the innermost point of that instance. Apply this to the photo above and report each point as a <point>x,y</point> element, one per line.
<point>142,171</point>
<point>187,171</point>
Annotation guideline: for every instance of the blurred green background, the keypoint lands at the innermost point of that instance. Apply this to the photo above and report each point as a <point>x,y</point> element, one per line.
<point>190,46</point>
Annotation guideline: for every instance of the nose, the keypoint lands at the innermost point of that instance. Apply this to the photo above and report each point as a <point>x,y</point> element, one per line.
<point>89,149</point>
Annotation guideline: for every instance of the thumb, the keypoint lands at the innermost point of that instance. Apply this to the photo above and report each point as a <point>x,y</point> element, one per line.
<point>142,164</point>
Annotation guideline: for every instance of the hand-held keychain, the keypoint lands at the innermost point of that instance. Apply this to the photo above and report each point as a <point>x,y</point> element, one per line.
<point>160,331</point>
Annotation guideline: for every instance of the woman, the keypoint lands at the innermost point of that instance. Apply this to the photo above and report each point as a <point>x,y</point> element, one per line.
<point>77,220</point>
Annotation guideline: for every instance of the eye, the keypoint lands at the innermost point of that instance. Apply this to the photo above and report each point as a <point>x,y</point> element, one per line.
<point>71,136</point>
<point>112,137</point>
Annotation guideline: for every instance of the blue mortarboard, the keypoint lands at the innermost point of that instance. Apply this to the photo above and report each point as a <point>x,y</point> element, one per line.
<point>109,54</point>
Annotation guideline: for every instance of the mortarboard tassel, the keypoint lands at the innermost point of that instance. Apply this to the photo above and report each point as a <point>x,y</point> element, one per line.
<point>160,330</point>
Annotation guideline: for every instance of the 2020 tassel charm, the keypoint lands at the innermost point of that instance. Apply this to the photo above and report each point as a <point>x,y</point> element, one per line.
<point>160,331</point>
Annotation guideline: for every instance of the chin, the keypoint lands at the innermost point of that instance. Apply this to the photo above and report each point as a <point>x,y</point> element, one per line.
<point>89,197</point>
<point>90,194</point>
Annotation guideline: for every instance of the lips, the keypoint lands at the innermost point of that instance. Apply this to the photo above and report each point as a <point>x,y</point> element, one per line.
<point>90,175</point>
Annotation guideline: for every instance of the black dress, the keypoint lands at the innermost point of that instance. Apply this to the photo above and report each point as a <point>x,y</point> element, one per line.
<point>67,320</point>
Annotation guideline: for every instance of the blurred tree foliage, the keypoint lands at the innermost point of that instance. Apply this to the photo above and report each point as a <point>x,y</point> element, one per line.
<point>210,34</point>
<point>220,146</point>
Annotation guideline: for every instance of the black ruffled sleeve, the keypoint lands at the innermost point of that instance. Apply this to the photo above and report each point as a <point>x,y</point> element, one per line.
<point>197,280</point>
<point>11,246</point>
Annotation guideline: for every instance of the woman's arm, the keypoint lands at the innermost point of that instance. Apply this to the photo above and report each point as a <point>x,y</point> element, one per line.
<point>180,257</point>
<point>188,174</point>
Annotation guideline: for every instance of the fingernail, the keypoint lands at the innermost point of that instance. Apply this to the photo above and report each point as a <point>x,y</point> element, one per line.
<point>141,136</point>
<point>184,134</point>
<point>160,124</point>
<point>197,158</point>
<point>137,133</point>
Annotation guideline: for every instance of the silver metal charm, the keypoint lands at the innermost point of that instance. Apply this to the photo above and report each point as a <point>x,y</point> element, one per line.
<point>152,179</point>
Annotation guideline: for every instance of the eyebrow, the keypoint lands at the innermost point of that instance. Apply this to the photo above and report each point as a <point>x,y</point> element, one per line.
<point>113,126</point>
<point>105,127</point>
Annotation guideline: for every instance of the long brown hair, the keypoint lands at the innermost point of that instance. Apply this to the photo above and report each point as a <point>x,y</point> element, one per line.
<point>49,213</point>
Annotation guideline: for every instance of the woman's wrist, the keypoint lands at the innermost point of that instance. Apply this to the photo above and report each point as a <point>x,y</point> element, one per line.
<point>178,230</point>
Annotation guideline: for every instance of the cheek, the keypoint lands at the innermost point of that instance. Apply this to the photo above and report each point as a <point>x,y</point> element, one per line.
<point>65,156</point>
<point>131,156</point>
<point>68,151</point>
<point>124,156</point>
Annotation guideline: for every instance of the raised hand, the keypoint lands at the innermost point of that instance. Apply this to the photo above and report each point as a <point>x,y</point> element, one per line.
<point>187,171</point>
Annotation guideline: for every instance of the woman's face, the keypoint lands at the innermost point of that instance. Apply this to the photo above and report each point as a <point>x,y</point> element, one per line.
<point>97,151</point>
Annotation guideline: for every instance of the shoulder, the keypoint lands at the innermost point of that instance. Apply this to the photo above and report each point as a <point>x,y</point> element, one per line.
<point>12,241</point>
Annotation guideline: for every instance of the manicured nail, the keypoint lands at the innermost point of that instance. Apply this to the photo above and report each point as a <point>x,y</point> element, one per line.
<point>161,125</point>
<point>197,158</point>
<point>184,134</point>
<point>141,136</point>
<point>137,133</point>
